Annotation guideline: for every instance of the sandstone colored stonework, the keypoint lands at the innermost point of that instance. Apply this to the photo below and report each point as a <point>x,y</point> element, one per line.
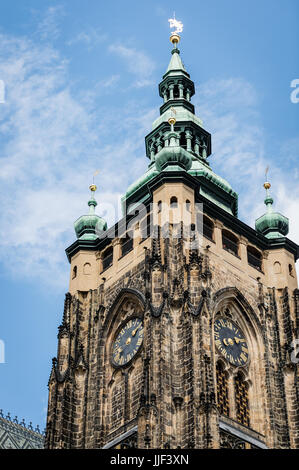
<point>167,396</point>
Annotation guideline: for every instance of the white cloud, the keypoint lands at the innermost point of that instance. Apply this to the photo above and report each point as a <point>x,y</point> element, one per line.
<point>48,27</point>
<point>230,112</point>
<point>91,38</point>
<point>51,143</point>
<point>109,82</point>
<point>137,63</point>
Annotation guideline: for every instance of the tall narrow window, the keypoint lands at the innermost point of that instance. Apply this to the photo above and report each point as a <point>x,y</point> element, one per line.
<point>208,228</point>
<point>146,225</point>
<point>74,272</point>
<point>108,258</point>
<point>241,397</point>
<point>176,93</point>
<point>222,390</point>
<point>230,242</point>
<point>254,258</point>
<point>127,245</point>
<point>183,141</point>
<point>188,205</point>
<point>173,202</point>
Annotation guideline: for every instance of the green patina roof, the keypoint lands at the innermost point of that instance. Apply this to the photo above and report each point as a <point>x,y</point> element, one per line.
<point>201,169</point>
<point>182,115</point>
<point>272,224</point>
<point>170,156</point>
<point>197,169</point>
<point>89,226</point>
<point>175,64</point>
<point>144,179</point>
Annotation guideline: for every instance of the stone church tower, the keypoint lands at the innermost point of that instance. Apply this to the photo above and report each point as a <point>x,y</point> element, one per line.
<point>179,328</point>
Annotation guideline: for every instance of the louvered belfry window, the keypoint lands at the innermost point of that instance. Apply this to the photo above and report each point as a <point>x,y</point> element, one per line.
<point>222,390</point>
<point>242,402</point>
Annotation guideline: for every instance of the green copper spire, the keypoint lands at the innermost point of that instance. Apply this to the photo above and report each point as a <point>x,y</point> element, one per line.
<point>178,142</point>
<point>176,65</point>
<point>176,88</point>
<point>272,224</point>
<point>89,226</point>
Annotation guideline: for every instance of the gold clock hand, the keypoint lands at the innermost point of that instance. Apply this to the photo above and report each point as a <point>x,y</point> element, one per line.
<point>239,340</point>
<point>134,331</point>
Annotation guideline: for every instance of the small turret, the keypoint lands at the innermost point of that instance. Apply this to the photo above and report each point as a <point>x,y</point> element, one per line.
<point>172,154</point>
<point>272,224</point>
<point>176,87</point>
<point>88,227</point>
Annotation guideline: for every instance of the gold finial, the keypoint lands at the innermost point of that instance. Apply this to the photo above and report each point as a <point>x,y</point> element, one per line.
<point>178,25</point>
<point>175,38</point>
<point>172,119</point>
<point>93,187</point>
<point>267,185</point>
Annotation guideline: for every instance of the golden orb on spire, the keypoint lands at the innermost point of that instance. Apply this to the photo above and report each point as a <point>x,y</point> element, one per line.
<point>93,188</point>
<point>267,185</point>
<point>172,121</point>
<point>175,38</point>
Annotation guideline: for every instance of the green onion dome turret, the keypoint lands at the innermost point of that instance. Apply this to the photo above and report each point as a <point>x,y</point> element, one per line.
<point>272,224</point>
<point>90,226</point>
<point>172,154</point>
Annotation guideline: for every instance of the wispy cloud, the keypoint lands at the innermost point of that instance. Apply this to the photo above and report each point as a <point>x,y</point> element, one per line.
<point>137,63</point>
<point>48,27</point>
<point>109,82</point>
<point>91,37</point>
<point>51,143</point>
<point>231,113</point>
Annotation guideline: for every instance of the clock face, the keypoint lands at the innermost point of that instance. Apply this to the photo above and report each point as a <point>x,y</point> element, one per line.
<point>230,341</point>
<point>127,342</point>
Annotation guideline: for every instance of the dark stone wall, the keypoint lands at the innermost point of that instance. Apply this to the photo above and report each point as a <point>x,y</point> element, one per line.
<point>169,389</point>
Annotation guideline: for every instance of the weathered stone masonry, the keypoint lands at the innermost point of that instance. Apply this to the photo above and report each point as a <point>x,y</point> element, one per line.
<point>178,286</point>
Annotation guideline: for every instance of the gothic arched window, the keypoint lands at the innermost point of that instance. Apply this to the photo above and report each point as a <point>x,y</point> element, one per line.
<point>222,390</point>
<point>230,242</point>
<point>254,257</point>
<point>241,399</point>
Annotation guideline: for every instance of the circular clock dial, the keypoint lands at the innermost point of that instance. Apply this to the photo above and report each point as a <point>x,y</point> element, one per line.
<point>127,342</point>
<point>230,341</point>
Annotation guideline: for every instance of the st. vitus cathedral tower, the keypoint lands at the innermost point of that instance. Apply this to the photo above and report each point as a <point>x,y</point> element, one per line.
<point>175,338</point>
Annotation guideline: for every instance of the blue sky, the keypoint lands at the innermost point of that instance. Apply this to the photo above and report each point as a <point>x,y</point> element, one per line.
<point>80,95</point>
